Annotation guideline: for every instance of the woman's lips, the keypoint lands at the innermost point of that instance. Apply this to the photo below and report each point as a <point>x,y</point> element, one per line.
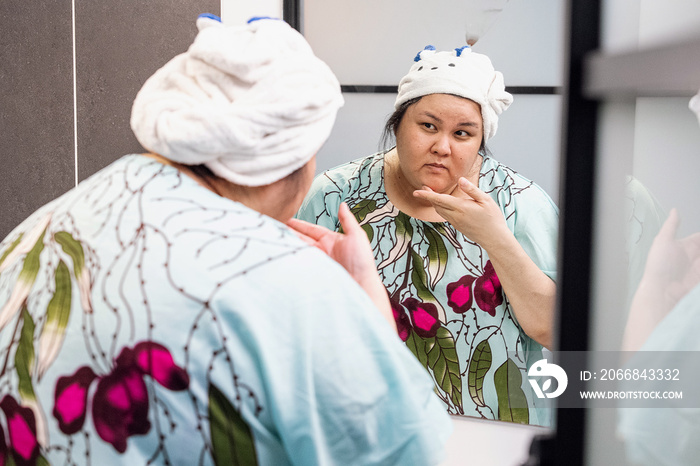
<point>436,166</point>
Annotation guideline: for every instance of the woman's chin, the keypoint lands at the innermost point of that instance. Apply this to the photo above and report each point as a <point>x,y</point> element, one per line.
<point>441,187</point>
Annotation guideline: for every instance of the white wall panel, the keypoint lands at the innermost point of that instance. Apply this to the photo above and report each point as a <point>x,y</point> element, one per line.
<point>358,128</point>
<point>240,11</point>
<point>528,139</point>
<point>375,42</point>
<point>668,21</point>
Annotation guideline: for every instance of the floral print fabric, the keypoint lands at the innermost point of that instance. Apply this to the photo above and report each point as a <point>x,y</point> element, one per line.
<point>447,300</point>
<point>145,319</point>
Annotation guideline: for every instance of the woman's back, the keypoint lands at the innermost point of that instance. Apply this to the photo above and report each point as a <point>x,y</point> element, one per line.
<point>146,318</point>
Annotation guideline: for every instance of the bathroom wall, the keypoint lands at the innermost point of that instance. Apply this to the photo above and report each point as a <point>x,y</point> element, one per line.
<point>70,70</point>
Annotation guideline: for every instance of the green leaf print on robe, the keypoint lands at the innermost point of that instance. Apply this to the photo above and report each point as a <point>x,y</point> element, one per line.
<point>360,211</point>
<point>59,307</point>
<point>512,402</point>
<point>57,315</point>
<point>28,274</point>
<point>419,278</point>
<point>10,249</point>
<point>437,256</point>
<point>231,438</point>
<point>478,367</point>
<point>438,354</point>
<point>30,362</point>
<point>24,366</point>
<point>442,359</point>
<point>404,234</point>
<point>74,249</point>
<point>435,350</point>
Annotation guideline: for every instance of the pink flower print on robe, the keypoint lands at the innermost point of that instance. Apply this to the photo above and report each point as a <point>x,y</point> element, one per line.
<point>488,292</point>
<point>424,317</point>
<point>403,323</point>
<point>21,427</point>
<point>70,398</point>
<point>120,405</point>
<point>155,360</point>
<point>3,448</point>
<point>459,294</point>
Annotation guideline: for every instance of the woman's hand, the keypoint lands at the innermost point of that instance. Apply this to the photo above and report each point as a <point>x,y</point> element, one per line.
<point>673,265</point>
<point>350,249</point>
<point>470,210</point>
<point>476,215</point>
<point>672,270</point>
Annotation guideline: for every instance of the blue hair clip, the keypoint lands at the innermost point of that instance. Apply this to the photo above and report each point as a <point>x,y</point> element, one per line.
<point>427,47</point>
<point>460,50</point>
<point>210,16</point>
<point>258,18</point>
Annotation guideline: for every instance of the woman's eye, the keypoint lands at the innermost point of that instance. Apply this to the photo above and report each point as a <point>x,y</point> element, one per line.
<point>461,134</point>
<point>429,125</point>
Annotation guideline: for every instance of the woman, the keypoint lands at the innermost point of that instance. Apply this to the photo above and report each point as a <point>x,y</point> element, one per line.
<point>466,247</point>
<point>162,311</point>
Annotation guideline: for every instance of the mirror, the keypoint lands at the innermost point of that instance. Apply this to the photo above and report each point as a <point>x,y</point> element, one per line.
<point>371,46</point>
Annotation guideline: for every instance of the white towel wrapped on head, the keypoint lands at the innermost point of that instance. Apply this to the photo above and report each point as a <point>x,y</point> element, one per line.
<point>459,72</point>
<point>253,103</point>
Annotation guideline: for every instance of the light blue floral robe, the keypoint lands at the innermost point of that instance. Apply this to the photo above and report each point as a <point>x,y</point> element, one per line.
<point>447,300</point>
<point>146,319</point>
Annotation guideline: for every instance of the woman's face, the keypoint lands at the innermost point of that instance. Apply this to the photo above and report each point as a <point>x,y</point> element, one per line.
<point>438,141</point>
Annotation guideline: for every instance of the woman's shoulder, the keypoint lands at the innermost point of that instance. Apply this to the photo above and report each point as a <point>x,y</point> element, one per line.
<point>345,183</point>
<point>353,173</point>
<point>503,181</point>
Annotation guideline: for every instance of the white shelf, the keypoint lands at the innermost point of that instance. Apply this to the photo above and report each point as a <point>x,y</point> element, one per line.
<point>668,71</point>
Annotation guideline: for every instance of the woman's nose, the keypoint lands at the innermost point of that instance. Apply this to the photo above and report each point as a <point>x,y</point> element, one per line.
<point>441,145</point>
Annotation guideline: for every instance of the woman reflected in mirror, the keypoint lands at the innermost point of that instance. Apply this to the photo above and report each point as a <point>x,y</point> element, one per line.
<point>465,246</point>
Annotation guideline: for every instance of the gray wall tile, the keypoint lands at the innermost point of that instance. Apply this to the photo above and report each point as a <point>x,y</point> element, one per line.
<point>36,107</point>
<point>119,45</point>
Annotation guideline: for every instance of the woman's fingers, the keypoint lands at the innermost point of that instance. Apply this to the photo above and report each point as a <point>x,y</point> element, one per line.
<point>670,226</point>
<point>472,190</point>
<point>305,238</point>
<point>307,229</point>
<point>451,201</point>
<point>427,194</point>
<point>691,245</point>
<point>445,201</point>
<point>347,219</point>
